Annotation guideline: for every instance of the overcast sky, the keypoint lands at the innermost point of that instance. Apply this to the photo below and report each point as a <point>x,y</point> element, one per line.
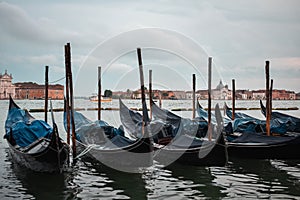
<point>176,38</point>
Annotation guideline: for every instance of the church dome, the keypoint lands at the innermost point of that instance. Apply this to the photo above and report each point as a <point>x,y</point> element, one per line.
<point>220,85</point>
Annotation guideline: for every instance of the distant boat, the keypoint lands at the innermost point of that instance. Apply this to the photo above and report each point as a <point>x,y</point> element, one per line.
<point>94,98</point>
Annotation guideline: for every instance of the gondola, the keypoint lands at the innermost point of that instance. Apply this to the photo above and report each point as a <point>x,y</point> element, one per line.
<point>244,123</point>
<point>34,143</point>
<point>175,139</point>
<point>109,145</point>
<point>292,123</point>
<point>203,115</point>
<point>257,145</point>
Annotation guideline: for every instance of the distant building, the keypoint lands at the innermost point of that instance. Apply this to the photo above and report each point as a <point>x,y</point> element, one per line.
<point>243,94</point>
<point>167,94</point>
<point>221,92</point>
<point>122,95</point>
<point>29,90</point>
<point>6,87</point>
<point>179,94</point>
<point>202,94</point>
<point>138,94</point>
<point>298,96</point>
<point>258,94</point>
<point>283,95</point>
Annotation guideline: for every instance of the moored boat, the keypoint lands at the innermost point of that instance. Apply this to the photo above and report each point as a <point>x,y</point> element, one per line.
<point>292,123</point>
<point>244,123</point>
<point>252,142</point>
<point>254,145</point>
<point>34,143</point>
<point>109,145</point>
<point>176,141</point>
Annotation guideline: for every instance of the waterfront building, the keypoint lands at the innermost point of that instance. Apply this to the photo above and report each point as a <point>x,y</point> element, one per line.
<point>243,94</point>
<point>122,94</point>
<point>29,90</point>
<point>283,95</point>
<point>6,87</point>
<point>221,92</point>
<point>258,94</point>
<point>189,95</point>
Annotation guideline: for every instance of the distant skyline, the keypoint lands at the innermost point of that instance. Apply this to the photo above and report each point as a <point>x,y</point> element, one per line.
<point>176,38</point>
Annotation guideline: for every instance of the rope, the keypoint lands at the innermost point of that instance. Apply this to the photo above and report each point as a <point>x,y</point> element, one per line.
<point>58,80</point>
<point>85,151</point>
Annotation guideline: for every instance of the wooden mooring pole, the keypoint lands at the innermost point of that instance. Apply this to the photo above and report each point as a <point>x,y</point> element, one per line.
<point>150,92</point>
<point>71,98</point>
<point>160,101</point>
<point>194,97</point>
<point>99,93</point>
<point>233,98</point>
<point>267,71</point>
<point>46,92</point>
<point>271,98</point>
<point>145,112</point>
<point>67,97</point>
<point>209,98</point>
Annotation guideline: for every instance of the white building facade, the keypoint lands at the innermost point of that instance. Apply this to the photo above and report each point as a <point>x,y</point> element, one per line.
<point>6,87</point>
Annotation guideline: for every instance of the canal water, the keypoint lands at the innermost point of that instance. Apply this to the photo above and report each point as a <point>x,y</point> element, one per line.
<point>240,179</point>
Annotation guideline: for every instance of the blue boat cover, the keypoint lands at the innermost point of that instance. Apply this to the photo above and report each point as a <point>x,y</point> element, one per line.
<point>164,123</point>
<point>203,115</point>
<point>244,123</point>
<point>91,132</point>
<point>292,123</point>
<point>25,129</point>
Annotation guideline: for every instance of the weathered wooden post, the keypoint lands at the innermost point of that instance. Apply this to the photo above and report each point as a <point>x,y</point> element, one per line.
<point>99,93</point>
<point>267,98</point>
<point>233,99</point>
<point>194,97</point>
<point>271,98</point>
<point>150,92</point>
<point>46,92</point>
<point>71,98</point>
<point>209,97</point>
<point>67,99</point>
<point>160,101</point>
<point>145,112</point>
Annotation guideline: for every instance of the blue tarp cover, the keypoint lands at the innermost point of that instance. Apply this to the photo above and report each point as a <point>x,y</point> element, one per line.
<point>85,128</point>
<point>25,130</point>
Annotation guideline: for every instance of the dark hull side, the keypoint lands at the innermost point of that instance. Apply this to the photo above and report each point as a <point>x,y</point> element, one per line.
<point>289,150</point>
<point>139,154</point>
<point>47,160</point>
<point>212,154</point>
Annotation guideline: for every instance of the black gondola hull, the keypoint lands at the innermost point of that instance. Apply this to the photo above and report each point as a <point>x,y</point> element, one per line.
<point>47,160</point>
<point>41,154</point>
<point>139,154</point>
<point>287,150</point>
<point>210,154</point>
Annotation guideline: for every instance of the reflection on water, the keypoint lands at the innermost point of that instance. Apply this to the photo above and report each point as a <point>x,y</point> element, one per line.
<point>101,182</point>
<point>197,181</point>
<point>240,179</point>
<point>22,183</point>
<point>256,179</point>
